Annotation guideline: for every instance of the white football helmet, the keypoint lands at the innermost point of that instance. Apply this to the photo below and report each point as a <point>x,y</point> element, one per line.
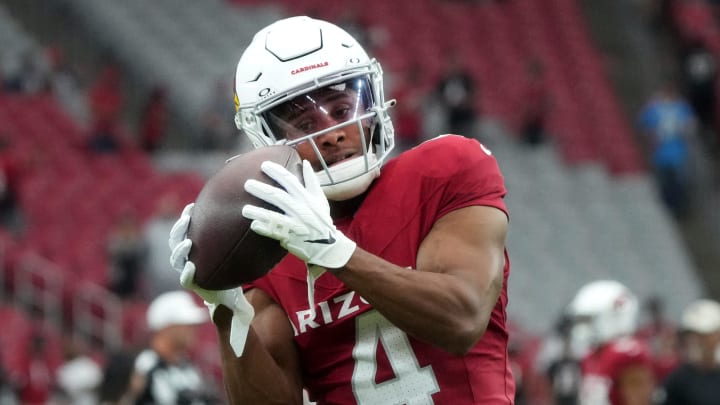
<point>603,310</point>
<point>287,64</point>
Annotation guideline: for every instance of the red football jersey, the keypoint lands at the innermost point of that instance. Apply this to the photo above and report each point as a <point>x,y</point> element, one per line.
<point>349,352</point>
<point>602,367</point>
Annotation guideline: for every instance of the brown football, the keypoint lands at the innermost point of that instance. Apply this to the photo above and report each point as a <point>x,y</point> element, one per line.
<point>226,252</point>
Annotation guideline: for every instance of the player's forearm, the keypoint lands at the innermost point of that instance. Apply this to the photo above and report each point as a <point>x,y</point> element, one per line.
<point>254,378</point>
<point>440,309</point>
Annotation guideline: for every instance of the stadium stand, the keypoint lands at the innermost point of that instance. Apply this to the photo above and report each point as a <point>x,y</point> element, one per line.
<point>154,41</point>
<point>574,224</point>
<point>57,268</point>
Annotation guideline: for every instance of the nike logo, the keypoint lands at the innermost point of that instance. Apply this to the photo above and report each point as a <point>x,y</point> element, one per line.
<point>329,241</point>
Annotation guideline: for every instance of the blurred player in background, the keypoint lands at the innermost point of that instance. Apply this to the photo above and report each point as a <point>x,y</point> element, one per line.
<point>395,290</point>
<point>697,380</point>
<point>164,373</point>
<point>661,335</point>
<point>618,368</point>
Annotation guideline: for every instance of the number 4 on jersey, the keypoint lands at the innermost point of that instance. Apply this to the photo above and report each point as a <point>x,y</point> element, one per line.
<point>412,385</point>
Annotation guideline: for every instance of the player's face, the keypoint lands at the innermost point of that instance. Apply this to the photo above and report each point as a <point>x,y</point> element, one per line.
<point>326,121</point>
<point>709,342</point>
<point>184,336</point>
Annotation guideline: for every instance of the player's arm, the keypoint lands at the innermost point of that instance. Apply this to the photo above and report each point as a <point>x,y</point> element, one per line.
<point>449,300</point>
<point>636,384</point>
<point>135,387</point>
<point>268,371</point>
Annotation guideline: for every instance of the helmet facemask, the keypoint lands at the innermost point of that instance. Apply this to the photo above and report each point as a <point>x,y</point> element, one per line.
<point>334,103</point>
<point>292,59</point>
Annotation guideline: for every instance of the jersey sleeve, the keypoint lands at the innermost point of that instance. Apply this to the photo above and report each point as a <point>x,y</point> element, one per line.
<point>145,361</point>
<point>470,172</point>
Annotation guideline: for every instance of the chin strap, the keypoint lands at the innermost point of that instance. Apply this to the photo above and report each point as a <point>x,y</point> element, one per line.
<point>313,273</point>
<point>350,178</point>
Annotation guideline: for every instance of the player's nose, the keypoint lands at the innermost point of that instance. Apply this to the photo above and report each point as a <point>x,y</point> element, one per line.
<point>332,137</point>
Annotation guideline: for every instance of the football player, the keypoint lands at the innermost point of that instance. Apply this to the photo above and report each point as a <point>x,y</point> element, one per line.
<point>696,380</point>
<point>395,291</point>
<point>617,368</point>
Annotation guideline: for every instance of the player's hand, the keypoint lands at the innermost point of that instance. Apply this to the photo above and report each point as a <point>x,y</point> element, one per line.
<point>234,299</point>
<point>305,228</point>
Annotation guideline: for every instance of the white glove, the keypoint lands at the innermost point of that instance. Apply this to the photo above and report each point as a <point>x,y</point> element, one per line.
<point>305,228</point>
<point>234,299</point>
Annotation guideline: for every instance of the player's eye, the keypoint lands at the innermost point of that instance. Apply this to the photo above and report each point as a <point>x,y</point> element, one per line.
<point>306,126</point>
<point>341,113</point>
